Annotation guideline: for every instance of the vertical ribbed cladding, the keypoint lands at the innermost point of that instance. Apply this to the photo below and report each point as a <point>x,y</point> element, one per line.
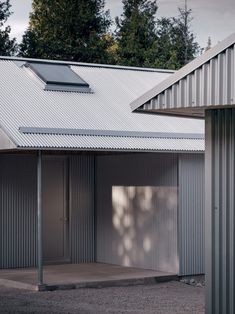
<point>191,219</point>
<point>18,186</point>
<point>81,208</point>
<point>136,203</point>
<point>215,78</point>
<point>220,217</point>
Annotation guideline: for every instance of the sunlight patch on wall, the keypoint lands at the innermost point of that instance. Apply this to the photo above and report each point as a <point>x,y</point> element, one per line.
<point>143,223</point>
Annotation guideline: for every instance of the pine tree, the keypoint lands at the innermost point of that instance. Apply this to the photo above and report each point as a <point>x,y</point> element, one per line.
<point>67,29</point>
<point>166,53</point>
<point>176,42</point>
<point>28,46</point>
<point>183,38</point>
<point>208,47</point>
<point>8,46</point>
<point>136,36</point>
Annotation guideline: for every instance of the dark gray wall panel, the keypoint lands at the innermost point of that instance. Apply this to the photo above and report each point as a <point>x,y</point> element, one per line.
<point>220,216</point>
<point>18,185</point>
<point>82,208</point>
<point>191,214</point>
<point>55,209</point>
<point>136,198</point>
<point>17,211</point>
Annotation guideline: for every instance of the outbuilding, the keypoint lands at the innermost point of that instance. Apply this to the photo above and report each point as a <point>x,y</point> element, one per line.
<point>83,179</point>
<point>206,88</point>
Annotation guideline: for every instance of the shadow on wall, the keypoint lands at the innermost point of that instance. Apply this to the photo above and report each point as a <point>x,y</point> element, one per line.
<point>144,226</point>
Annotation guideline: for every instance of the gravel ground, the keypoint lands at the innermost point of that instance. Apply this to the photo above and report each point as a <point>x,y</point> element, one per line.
<point>162,298</point>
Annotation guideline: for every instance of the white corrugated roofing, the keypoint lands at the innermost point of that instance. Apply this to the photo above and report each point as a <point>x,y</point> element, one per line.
<point>24,103</point>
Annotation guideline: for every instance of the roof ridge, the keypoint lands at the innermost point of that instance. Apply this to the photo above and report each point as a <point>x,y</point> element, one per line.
<point>84,64</point>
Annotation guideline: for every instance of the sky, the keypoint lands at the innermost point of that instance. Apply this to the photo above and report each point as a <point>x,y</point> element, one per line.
<point>214,18</point>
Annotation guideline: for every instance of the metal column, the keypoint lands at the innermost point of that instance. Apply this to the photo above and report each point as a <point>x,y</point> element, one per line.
<point>220,211</point>
<point>39,219</point>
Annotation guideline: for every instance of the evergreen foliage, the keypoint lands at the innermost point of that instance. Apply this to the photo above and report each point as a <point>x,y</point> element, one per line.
<point>143,41</point>
<point>79,30</point>
<point>183,38</point>
<point>209,44</point>
<point>28,46</point>
<point>136,34</point>
<point>8,46</point>
<point>67,29</point>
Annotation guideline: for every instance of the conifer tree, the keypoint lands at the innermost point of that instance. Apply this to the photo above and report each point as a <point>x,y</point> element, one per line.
<point>136,36</point>
<point>177,44</point>
<point>8,46</point>
<point>183,38</point>
<point>67,29</point>
<point>209,44</point>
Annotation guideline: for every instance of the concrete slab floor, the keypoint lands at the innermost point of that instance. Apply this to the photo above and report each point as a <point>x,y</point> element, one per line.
<point>72,276</point>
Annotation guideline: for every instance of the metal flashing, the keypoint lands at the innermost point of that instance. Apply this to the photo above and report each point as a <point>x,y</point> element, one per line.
<point>113,133</point>
<point>19,63</point>
<point>89,65</point>
<point>67,88</point>
<point>5,141</point>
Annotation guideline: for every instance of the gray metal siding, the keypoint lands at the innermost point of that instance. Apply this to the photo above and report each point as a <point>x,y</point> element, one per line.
<point>216,78</point>
<point>18,185</point>
<point>220,217</point>
<point>136,202</point>
<point>191,214</point>
<point>187,80</point>
<point>81,169</point>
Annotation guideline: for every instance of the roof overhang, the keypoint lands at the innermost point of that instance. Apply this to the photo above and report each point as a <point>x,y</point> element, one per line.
<point>112,140</point>
<point>208,82</point>
<point>6,143</point>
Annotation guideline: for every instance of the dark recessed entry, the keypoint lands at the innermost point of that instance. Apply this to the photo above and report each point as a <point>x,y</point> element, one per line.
<point>59,77</point>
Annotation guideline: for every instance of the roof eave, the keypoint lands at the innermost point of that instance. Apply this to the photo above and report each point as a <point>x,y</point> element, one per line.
<point>183,72</point>
<point>65,149</point>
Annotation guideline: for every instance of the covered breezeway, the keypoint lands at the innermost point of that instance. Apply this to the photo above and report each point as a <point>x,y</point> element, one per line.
<point>90,217</point>
<point>62,201</point>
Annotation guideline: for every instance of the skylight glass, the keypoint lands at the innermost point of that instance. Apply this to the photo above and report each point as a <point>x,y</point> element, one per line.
<point>59,77</point>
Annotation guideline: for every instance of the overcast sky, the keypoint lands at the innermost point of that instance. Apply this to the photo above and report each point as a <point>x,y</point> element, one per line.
<point>214,18</point>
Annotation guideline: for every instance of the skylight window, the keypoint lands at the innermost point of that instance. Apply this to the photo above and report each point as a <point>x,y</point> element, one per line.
<point>59,77</point>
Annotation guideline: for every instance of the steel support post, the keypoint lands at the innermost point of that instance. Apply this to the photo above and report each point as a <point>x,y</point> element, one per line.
<point>39,220</point>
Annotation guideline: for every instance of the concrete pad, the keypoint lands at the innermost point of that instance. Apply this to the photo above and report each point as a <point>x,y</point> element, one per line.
<point>74,276</point>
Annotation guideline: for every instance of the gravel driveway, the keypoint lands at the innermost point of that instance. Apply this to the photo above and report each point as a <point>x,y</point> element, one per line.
<point>165,298</point>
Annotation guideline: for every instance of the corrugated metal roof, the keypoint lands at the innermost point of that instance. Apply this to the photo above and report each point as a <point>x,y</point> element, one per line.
<point>208,81</point>
<point>24,103</point>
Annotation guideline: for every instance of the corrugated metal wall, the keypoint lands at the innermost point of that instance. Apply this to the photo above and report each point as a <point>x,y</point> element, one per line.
<point>220,216</point>
<point>136,217</point>
<point>18,186</point>
<point>136,201</point>
<point>82,208</point>
<point>17,211</point>
<point>191,214</point>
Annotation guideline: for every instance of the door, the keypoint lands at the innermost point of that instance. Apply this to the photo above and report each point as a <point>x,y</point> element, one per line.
<point>55,211</point>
